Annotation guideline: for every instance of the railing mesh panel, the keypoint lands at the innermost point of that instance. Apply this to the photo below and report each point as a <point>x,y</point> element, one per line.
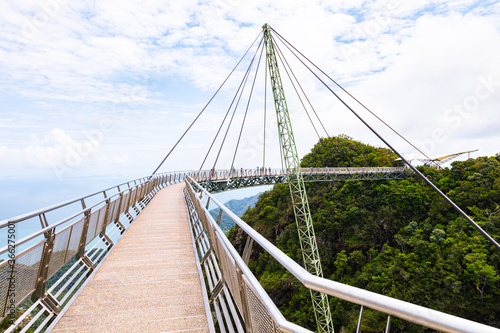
<point>112,208</point>
<point>95,227</point>
<point>229,272</point>
<point>94,218</point>
<point>26,271</point>
<point>100,222</point>
<point>124,205</point>
<point>116,209</point>
<point>74,242</point>
<point>133,195</point>
<point>58,258</point>
<point>4,285</point>
<point>260,318</point>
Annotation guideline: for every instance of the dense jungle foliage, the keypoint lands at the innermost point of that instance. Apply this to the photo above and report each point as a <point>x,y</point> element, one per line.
<point>394,237</point>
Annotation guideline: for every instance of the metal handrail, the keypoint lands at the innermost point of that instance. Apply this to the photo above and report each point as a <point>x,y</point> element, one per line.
<point>394,307</point>
<point>102,212</point>
<point>247,278</point>
<point>199,175</point>
<point>63,221</point>
<point>251,281</point>
<point>87,235</point>
<point>47,209</point>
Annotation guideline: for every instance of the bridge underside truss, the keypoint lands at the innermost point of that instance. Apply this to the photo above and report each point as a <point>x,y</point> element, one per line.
<point>219,185</point>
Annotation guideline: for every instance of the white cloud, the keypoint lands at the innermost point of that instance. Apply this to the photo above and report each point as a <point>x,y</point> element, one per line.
<point>72,62</point>
<point>439,71</point>
<point>60,153</point>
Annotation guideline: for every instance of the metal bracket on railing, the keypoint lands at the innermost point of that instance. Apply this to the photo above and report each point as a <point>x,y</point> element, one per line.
<point>120,226</point>
<point>50,302</point>
<point>141,204</point>
<point>388,326</point>
<point>107,240</point>
<point>43,220</point>
<point>216,291</point>
<point>206,255</point>
<point>88,262</point>
<point>219,217</point>
<point>200,234</point>
<point>129,216</point>
<point>358,329</point>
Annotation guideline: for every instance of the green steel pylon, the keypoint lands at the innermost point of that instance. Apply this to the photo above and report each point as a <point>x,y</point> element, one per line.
<point>300,202</point>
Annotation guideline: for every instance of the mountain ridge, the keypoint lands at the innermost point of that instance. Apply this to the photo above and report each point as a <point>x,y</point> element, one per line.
<point>237,206</point>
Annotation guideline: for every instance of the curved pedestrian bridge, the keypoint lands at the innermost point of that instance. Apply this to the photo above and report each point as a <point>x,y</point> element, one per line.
<point>149,257</point>
<point>149,282</point>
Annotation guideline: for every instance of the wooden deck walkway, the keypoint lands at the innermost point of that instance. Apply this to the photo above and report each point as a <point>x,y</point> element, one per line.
<point>149,282</point>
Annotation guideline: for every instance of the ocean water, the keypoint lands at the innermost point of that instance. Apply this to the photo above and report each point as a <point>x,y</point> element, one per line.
<point>19,196</point>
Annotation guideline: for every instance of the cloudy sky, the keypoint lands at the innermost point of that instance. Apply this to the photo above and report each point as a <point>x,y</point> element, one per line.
<point>97,88</point>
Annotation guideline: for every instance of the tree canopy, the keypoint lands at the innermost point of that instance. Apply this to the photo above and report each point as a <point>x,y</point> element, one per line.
<point>394,237</point>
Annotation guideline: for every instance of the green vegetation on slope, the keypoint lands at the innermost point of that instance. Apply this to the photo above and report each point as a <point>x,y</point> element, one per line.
<point>343,151</point>
<point>396,238</point>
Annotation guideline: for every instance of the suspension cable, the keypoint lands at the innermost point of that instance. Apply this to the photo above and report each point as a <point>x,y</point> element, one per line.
<point>359,102</point>
<point>434,187</point>
<point>281,55</point>
<point>247,75</point>
<point>224,120</point>
<point>248,105</point>
<point>205,107</point>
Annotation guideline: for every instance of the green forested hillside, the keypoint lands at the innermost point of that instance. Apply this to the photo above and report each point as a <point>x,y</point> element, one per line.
<point>396,238</point>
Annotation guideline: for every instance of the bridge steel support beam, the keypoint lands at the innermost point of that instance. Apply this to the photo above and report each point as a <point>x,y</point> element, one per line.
<point>310,253</point>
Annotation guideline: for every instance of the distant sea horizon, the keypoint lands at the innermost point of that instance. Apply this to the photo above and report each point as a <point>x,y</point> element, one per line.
<point>19,196</point>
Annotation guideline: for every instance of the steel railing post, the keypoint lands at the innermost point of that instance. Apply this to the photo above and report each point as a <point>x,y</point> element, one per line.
<point>43,271</point>
<point>83,237</point>
<point>358,329</point>
<point>244,301</point>
<point>105,220</point>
